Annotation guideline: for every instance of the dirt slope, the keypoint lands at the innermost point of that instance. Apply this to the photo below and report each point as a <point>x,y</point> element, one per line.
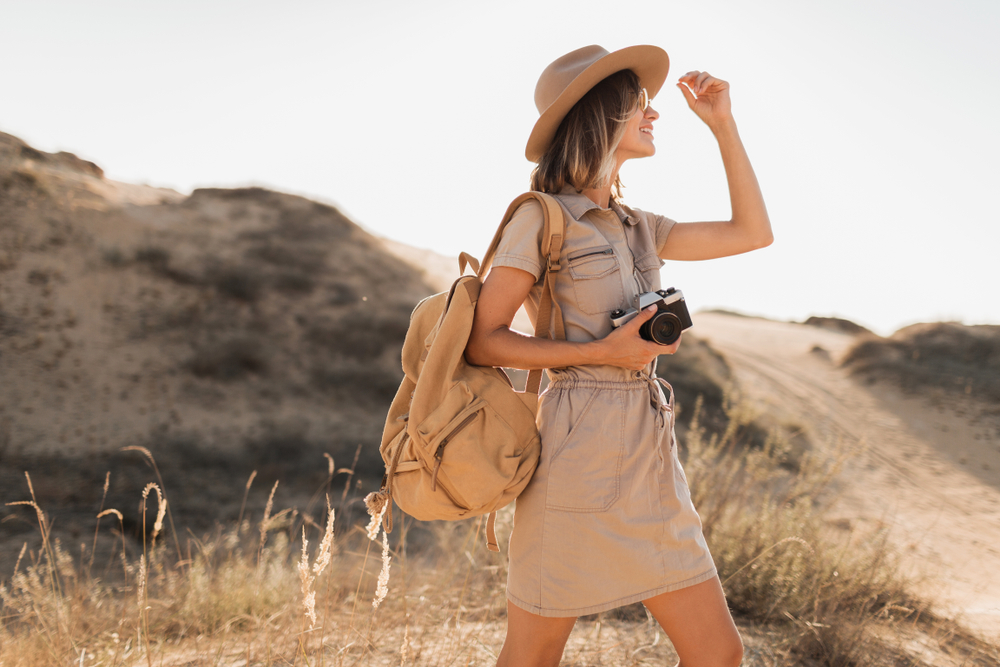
<point>132,315</point>
<point>225,331</point>
<point>924,462</point>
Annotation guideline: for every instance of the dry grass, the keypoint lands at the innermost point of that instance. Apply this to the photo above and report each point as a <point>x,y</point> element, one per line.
<point>282,589</point>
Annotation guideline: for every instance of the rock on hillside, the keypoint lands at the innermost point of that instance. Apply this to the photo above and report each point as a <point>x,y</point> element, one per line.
<point>244,328</point>
<point>941,356</point>
<point>837,324</point>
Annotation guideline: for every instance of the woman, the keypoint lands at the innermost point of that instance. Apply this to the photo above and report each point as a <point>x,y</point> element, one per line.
<point>607,519</point>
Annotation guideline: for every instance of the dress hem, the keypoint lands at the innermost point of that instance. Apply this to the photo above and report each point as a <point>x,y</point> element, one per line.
<point>621,602</point>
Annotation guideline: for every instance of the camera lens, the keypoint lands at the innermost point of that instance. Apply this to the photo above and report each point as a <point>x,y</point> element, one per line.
<point>664,328</point>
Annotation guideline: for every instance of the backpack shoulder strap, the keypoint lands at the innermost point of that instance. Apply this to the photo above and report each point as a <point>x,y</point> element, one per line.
<point>553,233</point>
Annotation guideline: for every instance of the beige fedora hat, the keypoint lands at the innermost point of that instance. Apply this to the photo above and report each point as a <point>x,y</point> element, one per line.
<point>568,79</point>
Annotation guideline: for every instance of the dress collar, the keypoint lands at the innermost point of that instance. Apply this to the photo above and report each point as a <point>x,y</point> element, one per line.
<point>578,204</point>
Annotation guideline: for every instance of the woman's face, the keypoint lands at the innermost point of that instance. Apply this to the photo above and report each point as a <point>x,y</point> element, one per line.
<point>638,139</point>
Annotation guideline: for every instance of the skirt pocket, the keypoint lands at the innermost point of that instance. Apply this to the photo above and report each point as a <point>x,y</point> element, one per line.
<point>584,471</point>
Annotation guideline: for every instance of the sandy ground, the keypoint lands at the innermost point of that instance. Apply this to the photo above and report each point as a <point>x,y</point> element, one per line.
<point>926,464</point>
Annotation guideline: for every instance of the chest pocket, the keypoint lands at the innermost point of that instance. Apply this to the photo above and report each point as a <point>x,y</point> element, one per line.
<point>596,279</point>
<point>647,269</point>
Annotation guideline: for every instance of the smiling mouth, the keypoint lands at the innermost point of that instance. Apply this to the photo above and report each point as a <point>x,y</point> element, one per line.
<point>647,130</point>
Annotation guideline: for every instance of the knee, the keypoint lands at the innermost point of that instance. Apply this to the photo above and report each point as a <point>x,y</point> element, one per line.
<point>531,654</point>
<point>728,652</point>
<point>731,653</point>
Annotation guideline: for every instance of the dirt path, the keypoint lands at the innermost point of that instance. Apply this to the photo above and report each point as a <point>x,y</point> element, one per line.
<point>928,466</point>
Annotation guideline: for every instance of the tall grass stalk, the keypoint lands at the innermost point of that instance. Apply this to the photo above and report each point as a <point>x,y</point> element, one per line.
<point>162,491</point>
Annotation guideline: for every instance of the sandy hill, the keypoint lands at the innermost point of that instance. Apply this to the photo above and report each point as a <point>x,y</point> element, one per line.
<point>944,357</point>
<point>225,331</point>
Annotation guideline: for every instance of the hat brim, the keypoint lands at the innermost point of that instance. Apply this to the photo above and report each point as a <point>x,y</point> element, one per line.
<point>650,64</point>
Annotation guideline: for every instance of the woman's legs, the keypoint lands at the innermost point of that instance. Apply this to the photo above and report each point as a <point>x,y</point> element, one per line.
<point>699,625</point>
<point>696,619</point>
<point>533,640</point>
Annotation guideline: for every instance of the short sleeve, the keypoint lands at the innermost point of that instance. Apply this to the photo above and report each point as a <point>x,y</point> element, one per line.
<point>661,228</point>
<point>520,245</point>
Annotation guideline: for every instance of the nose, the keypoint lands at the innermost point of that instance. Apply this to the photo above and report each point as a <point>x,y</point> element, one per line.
<point>651,113</point>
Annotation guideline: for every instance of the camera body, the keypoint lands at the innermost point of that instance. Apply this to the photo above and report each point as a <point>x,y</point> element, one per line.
<point>665,326</point>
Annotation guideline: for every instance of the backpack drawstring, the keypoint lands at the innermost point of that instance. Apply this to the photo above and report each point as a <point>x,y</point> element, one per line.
<point>380,501</point>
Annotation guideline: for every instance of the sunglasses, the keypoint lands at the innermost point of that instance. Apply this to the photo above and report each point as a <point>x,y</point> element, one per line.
<point>643,100</point>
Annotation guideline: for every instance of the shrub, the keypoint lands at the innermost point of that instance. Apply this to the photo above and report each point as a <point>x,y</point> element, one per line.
<point>357,384</point>
<point>945,355</point>
<point>363,333</point>
<point>306,258</point>
<point>780,564</point>
<point>237,281</point>
<point>114,256</point>
<point>230,359</point>
<point>293,282</point>
<point>155,256</point>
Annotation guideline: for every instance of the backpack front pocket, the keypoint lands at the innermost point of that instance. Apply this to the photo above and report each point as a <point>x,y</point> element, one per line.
<point>470,451</point>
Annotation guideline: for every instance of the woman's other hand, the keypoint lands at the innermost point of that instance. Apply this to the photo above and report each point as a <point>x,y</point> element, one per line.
<point>750,226</point>
<point>707,96</point>
<point>625,348</point>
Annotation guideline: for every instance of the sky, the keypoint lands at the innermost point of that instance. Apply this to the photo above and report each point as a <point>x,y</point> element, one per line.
<point>871,125</point>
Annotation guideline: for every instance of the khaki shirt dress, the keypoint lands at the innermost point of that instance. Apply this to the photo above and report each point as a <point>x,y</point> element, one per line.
<point>607,518</point>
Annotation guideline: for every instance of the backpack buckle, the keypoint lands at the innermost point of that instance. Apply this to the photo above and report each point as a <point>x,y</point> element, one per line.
<point>554,266</point>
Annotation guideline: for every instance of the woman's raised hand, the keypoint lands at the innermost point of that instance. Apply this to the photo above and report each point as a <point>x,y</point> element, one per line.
<point>625,348</point>
<point>707,96</point>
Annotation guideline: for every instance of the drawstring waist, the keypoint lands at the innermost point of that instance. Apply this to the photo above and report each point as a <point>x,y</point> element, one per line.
<point>662,411</point>
<point>640,380</point>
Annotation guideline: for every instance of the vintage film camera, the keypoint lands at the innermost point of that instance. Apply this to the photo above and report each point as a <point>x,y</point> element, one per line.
<point>666,325</point>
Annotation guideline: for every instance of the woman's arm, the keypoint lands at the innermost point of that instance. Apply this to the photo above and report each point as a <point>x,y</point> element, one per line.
<point>493,343</point>
<point>750,227</point>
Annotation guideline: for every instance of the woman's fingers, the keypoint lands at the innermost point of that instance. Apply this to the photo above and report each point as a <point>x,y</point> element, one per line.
<point>701,82</point>
<point>635,352</point>
<point>672,348</point>
<point>645,356</point>
<point>632,326</point>
<point>627,349</point>
<point>696,81</point>
<point>688,95</point>
<point>689,79</point>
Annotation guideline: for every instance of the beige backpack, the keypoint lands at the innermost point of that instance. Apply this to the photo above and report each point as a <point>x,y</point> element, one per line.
<point>459,441</point>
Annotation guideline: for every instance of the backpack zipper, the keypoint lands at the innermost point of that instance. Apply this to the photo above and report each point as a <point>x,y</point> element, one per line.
<point>439,453</point>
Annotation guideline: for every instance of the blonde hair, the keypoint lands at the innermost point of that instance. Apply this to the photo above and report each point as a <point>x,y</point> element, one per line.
<point>582,154</point>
